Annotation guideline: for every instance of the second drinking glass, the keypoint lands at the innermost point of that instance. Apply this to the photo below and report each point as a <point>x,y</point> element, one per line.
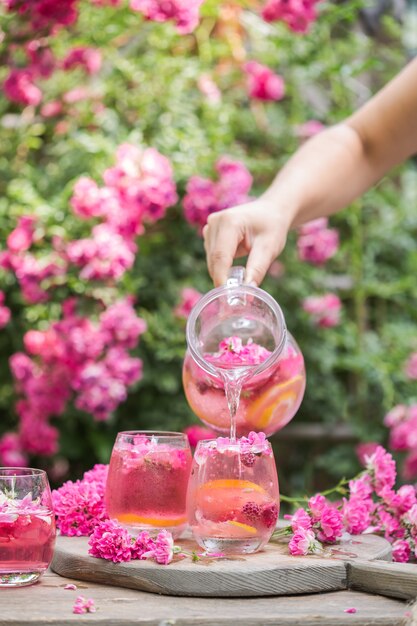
<point>233,497</point>
<point>147,481</point>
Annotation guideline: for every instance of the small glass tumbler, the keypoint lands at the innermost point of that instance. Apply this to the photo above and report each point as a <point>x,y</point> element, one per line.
<point>27,525</point>
<point>147,481</point>
<point>233,495</point>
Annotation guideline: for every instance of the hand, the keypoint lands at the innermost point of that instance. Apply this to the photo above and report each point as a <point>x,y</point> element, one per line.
<point>253,229</point>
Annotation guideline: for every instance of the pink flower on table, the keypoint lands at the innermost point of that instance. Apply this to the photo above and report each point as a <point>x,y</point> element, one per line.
<point>198,433</point>
<point>356,515</point>
<point>324,310</point>
<point>143,545</point>
<point>361,488</point>
<point>316,506</point>
<point>388,524</point>
<point>110,541</point>
<point>88,59</point>
<point>184,13</point>
<point>411,366</point>
<point>409,519</point>
<point>163,551</point>
<point>263,83</point>
<point>70,587</point>
<point>304,542</point>
<point>19,87</point>
<point>401,551</point>
<point>300,519</point>
<point>97,474</point>
<point>298,15</point>
<point>330,526</point>
<point>83,605</point>
<point>401,501</point>
<point>189,298</point>
<point>79,506</point>
<point>317,243</point>
<point>381,467</point>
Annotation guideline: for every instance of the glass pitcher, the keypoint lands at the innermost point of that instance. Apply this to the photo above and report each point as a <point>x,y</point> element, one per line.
<point>238,332</point>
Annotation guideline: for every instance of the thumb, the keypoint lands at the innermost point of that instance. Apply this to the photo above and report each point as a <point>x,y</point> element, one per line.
<point>263,252</point>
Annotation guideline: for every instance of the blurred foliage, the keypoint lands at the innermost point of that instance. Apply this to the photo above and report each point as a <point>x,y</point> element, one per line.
<point>146,92</point>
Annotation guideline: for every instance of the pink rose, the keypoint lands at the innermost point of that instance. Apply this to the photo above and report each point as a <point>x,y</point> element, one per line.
<point>304,542</point>
<point>263,83</point>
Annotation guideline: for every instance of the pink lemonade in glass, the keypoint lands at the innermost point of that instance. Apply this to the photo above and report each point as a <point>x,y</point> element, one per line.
<point>147,481</point>
<point>233,495</point>
<point>268,401</point>
<point>27,526</point>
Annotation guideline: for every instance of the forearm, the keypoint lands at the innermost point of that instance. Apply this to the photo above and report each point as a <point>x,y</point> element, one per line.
<point>339,164</point>
<point>324,176</point>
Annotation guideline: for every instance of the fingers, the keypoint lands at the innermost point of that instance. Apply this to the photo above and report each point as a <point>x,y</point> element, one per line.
<point>222,239</point>
<point>263,252</point>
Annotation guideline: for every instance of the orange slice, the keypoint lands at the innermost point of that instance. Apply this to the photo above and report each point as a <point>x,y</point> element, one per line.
<point>160,522</point>
<point>222,498</point>
<point>232,483</point>
<point>245,528</point>
<point>275,404</point>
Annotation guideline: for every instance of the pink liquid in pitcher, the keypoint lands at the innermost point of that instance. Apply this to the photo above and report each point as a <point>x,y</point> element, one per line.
<point>147,485</point>
<point>26,541</point>
<point>266,402</point>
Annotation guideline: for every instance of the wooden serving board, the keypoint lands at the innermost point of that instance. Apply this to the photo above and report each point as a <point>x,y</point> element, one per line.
<point>271,572</point>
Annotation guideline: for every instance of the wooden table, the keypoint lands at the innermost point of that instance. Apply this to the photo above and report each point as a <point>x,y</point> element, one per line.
<point>49,604</point>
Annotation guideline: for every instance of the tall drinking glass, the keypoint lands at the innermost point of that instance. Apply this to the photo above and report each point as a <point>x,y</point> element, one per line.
<point>147,481</point>
<point>27,525</point>
<point>233,496</point>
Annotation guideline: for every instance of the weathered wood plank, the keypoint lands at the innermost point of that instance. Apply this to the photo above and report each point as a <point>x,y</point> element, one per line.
<point>272,572</point>
<point>49,604</point>
<point>395,580</point>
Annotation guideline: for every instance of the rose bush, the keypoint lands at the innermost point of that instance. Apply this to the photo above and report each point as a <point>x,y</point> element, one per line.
<point>123,126</point>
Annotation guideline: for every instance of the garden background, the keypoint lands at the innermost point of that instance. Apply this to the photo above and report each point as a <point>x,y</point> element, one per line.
<point>122,127</point>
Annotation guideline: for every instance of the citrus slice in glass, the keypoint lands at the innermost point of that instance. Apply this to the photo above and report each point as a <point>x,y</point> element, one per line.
<point>154,521</point>
<point>275,405</point>
<point>222,500</point>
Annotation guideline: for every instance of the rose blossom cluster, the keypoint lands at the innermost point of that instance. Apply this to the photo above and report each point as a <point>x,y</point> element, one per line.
<point>75,358</point>
<point>205,196</point>
<point>320,523</point>
<point>324,310</point>
<point>297,14</point>
<point>139,188</point>
<point>35,275</point>
<point>263,83</point>
<point>184,13</point>
<point>316,242</point>
<point>79,506</point>
<point>402,422</point>
<point>232,351</point>
<point>112,542</point>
